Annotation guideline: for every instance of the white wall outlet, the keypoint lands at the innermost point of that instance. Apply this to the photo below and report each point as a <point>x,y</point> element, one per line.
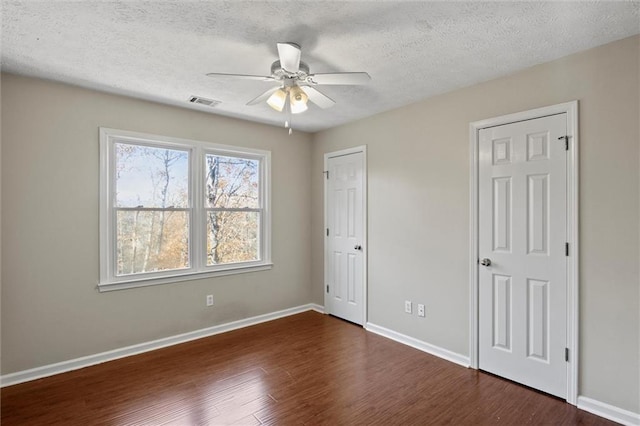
<point>209,299</point>
<point>407,306</point>
<point>420,310</point>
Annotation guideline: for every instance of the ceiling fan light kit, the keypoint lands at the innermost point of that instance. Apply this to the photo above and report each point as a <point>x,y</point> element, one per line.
<point>294,95</point>
<point>295,83</point>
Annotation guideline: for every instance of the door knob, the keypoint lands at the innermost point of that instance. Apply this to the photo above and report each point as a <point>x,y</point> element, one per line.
<point>358,247</point>
<point>485,262</point>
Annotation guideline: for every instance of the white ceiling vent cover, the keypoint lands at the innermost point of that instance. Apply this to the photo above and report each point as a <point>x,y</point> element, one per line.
<point>204,101</point>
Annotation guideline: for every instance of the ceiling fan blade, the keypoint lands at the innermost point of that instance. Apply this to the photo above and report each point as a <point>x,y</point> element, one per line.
<point>263,97</point>
<point>289,54</point>
<point>339,78</point>
<point>241,76</point>
<point>318,98</point>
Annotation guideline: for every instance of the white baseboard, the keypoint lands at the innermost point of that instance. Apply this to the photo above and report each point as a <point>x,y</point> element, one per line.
<point>608,411</point>
<point>86,361</point>
<point>419,344</point>
<point>317,308</point>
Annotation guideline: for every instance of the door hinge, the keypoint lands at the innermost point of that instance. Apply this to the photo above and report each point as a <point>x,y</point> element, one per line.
<point>566,142</point>
<point>327,288</point>
<point>326,173</point>
<point>566,249</point>
<point>566,354</point>
<point>327,232</point>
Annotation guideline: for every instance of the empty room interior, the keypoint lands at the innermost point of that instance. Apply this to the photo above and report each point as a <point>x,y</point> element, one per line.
<point>346,212</point>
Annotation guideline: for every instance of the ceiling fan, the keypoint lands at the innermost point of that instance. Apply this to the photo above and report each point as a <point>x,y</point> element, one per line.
<point>295,84</point>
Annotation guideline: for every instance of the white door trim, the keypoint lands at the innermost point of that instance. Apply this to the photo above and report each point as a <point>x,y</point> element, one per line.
<point>365,208</point>
<point>571,109</point>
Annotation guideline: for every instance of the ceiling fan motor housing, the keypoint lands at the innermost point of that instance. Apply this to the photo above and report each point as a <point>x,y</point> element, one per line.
<point>280,73</point>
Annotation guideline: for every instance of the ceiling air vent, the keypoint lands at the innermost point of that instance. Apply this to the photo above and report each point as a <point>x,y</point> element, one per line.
<point>204,101</point>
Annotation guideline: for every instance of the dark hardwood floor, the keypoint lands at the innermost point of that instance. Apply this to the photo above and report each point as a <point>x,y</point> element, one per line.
<point>305,369</point>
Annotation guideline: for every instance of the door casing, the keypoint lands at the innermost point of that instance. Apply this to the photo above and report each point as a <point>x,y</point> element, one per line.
<point>363,150</point>
<point>571,109</point>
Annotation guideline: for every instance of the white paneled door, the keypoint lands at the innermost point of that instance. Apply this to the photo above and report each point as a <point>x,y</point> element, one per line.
<point>344,247</point>
<point>522,249</point>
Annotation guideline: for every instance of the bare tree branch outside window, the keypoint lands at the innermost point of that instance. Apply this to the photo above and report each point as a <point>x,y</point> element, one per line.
<point>152,209</point>
<point>233,216</point>
<point>152,186</point>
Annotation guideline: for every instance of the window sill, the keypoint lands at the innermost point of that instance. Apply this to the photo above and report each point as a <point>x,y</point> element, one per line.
<point>144,282</point>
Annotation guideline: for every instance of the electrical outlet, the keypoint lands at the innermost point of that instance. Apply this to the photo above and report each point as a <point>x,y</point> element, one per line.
<point>420,310</point>
<point>407,306</point>
<point>209,299</point>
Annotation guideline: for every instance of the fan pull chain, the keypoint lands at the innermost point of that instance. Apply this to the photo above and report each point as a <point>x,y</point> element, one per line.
<point>287,106</point>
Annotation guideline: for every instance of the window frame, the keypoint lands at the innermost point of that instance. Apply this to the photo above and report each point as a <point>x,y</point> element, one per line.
<point>197,211</point>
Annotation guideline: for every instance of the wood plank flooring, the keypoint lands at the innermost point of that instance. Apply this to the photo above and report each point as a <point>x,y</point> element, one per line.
<point>305,369</point>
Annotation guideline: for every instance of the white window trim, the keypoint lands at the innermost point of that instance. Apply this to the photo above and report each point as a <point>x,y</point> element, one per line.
<point>197,243</point>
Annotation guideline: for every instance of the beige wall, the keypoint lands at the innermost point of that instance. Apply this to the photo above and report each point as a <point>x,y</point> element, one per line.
<point>418,232</point>
<point>51,310</point>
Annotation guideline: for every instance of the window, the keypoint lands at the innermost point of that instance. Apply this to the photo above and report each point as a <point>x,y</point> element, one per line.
<point>173,209</point>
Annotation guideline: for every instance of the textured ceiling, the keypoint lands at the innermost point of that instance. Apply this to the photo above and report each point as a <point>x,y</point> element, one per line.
<point>161,50</point>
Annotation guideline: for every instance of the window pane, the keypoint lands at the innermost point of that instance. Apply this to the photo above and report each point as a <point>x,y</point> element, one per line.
<point>149,241</point>
<point>151,177</point>
<point>232,182</point>
<point>232,237</point>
